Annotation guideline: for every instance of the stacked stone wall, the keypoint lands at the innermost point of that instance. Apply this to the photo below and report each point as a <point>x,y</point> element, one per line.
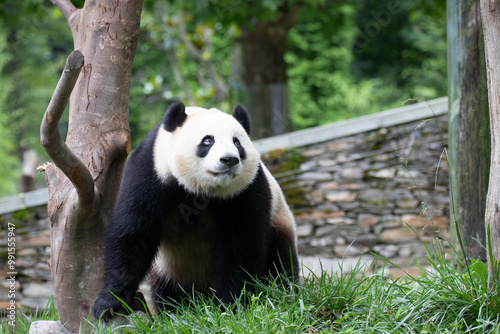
<point>382,192</point>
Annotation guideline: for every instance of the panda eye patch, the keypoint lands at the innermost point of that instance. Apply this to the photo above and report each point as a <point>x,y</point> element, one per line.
<point>207,141</point>
<point>240,148</point>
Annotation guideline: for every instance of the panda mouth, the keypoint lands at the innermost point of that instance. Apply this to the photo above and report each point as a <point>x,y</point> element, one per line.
<point>223,173</point>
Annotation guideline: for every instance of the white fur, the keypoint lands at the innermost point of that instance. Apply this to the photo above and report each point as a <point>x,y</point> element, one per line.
<point>175,154</point>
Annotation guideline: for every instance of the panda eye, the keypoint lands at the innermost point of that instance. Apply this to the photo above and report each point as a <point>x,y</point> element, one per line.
<point>207,141</point>
<point>236,142</point>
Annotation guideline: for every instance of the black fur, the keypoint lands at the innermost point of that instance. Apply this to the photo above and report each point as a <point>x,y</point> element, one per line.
<point>241,149</point>
<point>241,115</point>
<point>174,116</point>
<point>238,232</point>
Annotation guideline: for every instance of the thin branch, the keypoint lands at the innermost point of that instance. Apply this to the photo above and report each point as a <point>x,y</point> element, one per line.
<point>51,139</point>
<point>65,6</point>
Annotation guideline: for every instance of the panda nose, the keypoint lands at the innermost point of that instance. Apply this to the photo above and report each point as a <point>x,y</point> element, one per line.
<point>229,161</point>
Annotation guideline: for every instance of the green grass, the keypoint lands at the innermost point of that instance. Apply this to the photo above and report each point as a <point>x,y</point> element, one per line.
<point>449,298</point>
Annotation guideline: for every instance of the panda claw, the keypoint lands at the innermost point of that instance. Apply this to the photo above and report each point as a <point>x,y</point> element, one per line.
<point>43,167</point>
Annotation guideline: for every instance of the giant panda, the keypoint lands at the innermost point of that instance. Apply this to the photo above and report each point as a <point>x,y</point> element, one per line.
<point>196,209</point>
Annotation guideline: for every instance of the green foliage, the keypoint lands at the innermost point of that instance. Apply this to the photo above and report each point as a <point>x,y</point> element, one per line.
<point>403,45</point>
<point>35,41</point>
<point>243,12</point>
<point>336,71</point>
<point>39,41</point>
<point>322,87</point>
<point>10,166</point>
<point>24,215</point>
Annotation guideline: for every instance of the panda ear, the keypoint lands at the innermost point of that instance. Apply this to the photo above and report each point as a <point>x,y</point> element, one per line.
<point>174,116</point>
<point>241,115</point>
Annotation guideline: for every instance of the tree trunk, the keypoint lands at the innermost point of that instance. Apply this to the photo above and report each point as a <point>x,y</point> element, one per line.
<point>85,176</point>
<point>469,133</point>
<point>261,68</point>
<point>28,179</point>
<point>490,13</point>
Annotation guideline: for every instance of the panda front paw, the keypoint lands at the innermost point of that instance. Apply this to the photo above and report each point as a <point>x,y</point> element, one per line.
<point>105,305</point>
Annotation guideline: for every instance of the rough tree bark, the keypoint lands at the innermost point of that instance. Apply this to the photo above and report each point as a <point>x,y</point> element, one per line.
<point>490,14</point>
<point>85,175</point>
<point>469,139</point>
<point>261,68</point>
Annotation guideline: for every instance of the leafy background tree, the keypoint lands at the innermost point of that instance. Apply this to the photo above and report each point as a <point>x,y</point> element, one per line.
<point>190,50</point>
<point>9,169</point>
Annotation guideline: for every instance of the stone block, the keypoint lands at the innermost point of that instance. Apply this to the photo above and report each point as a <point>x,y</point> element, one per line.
<point>353,186</point>
<point>308,165</point>
<point>304,230</point>
<point>314,196</point>
<point>402,234</point>
<point>340,221</point>
<point>46,327</point>
<point>386,251</point>
<point>38,289</point>
<point>406,252</point>
<point>391,224</point>
<point>312,153</point>
<point>27,252</point>
<point>325,230</point>
<point>351,250</point>
<point>373,195</point>
<point>368,220</point>
<point>386,173</point>
<point>35,242</point>
<point>341,196</point>
<point>316,176</point>
<point>351,173</point>
<point>329,186</point>
<point>408,204</point>
<point>319,215</point>
<point>323,242</point>
<point>327,163</point>
<point>420,222</point>
<point>382,157</point>
<point>364,240</point>
<point>338,145</point>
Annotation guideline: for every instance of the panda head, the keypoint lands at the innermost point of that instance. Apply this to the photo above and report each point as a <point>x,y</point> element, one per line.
<point>207,151</point>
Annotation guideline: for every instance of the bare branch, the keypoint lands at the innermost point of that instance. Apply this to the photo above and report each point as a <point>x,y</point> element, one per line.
<point>65,6</point>
<point>51,139</point>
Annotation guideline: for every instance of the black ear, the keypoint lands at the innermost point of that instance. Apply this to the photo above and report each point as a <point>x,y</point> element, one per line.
<point>174,116</point>
<point>241,115</point>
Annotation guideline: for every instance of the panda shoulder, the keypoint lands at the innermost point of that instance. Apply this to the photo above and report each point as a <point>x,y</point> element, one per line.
<point>279,207</point>
<point>273,184</point>
<point>142,174</point>
<point>162,155</point>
